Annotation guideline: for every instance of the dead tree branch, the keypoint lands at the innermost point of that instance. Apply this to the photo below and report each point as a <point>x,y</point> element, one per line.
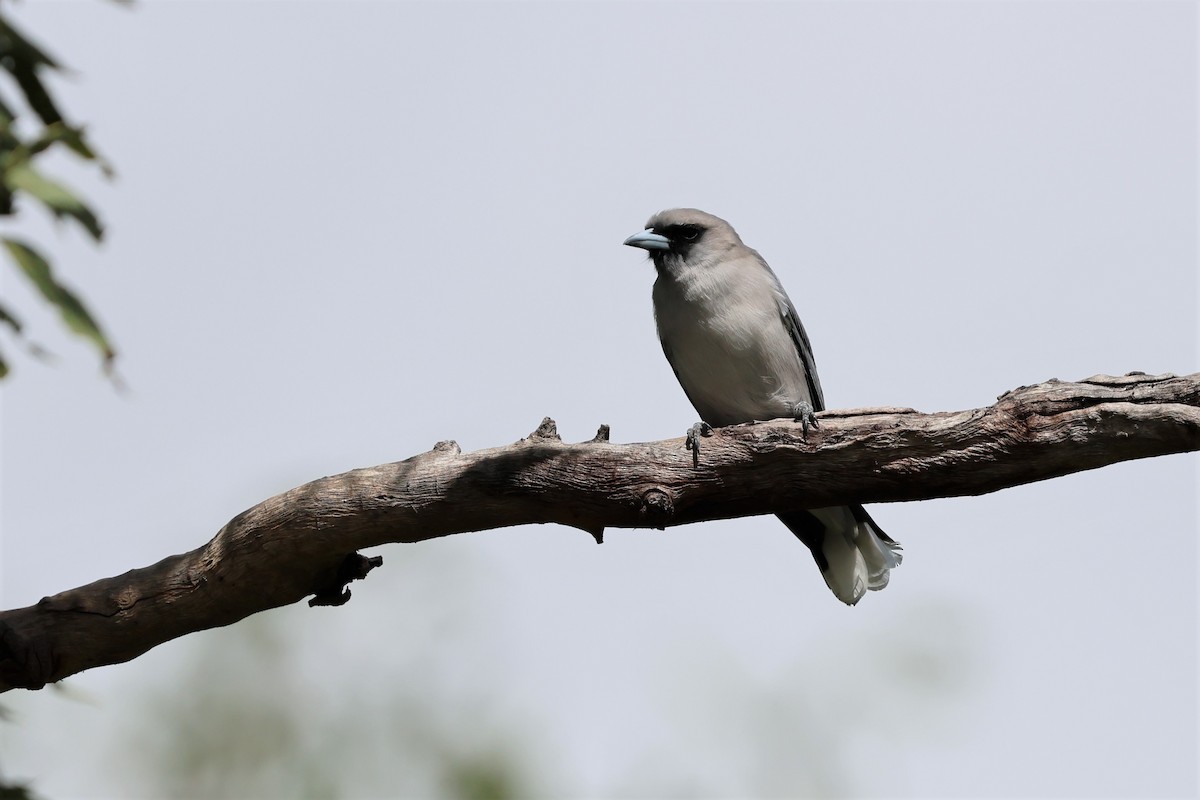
<point>305,541</point>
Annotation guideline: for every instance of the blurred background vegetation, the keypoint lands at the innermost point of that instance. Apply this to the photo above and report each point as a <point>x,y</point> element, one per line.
<point>301,704</point>
<point>32,127</point>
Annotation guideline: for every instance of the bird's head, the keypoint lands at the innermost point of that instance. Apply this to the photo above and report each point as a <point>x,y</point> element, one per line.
<point>681,237</point>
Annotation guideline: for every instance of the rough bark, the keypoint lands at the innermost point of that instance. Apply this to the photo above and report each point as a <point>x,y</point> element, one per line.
<point>305,541</point>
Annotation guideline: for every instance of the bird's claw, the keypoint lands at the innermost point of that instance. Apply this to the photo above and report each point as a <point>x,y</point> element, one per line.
<point>803,412</point>
<point>693,440</point>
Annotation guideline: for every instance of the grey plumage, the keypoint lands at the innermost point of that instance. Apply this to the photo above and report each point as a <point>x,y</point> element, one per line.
<point>740,352</point>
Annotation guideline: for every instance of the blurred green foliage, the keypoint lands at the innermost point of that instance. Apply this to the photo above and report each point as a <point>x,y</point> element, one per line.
<point>23,141</point>
<point>246,719</point>
<point>27,133</point>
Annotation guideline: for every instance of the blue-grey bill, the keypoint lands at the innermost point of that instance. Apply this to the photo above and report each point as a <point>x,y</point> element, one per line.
<point>649,240</point>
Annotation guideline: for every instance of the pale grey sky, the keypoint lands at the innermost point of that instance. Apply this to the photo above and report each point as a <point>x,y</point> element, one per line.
<point>343,231</point>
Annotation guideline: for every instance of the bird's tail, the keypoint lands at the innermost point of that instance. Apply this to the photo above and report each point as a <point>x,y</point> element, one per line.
<point>854,554</point>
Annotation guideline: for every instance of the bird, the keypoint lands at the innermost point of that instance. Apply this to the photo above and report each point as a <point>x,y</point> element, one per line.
<point>741,354</point>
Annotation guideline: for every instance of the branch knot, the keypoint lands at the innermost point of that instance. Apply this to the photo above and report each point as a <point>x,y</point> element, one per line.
<point>657,507</point>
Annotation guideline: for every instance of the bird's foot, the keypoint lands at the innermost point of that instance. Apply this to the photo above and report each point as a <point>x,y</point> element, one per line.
<point>693,440</point>
<point>803,412</point>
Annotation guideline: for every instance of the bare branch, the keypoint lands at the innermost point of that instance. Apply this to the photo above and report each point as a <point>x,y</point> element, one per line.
<point>305,541</point>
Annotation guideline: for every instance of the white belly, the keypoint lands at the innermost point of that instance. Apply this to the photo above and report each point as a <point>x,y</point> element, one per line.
<point>733,356</point>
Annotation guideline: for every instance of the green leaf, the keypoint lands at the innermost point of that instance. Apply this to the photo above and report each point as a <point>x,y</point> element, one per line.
<point>64,133</point>
<point>74,313</point>
<point>14,46</point>
<point>22,59</point>
<point>12,322</point>
<point>36,95</point>
<point>73,138</point>
<point>56,197</point>
<point>13,151</point>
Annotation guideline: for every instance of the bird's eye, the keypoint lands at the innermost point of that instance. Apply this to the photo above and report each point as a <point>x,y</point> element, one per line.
<point>689,234</point>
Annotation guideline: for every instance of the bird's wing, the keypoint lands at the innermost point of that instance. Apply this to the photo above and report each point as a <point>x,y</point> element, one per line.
<point>795,329</point>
